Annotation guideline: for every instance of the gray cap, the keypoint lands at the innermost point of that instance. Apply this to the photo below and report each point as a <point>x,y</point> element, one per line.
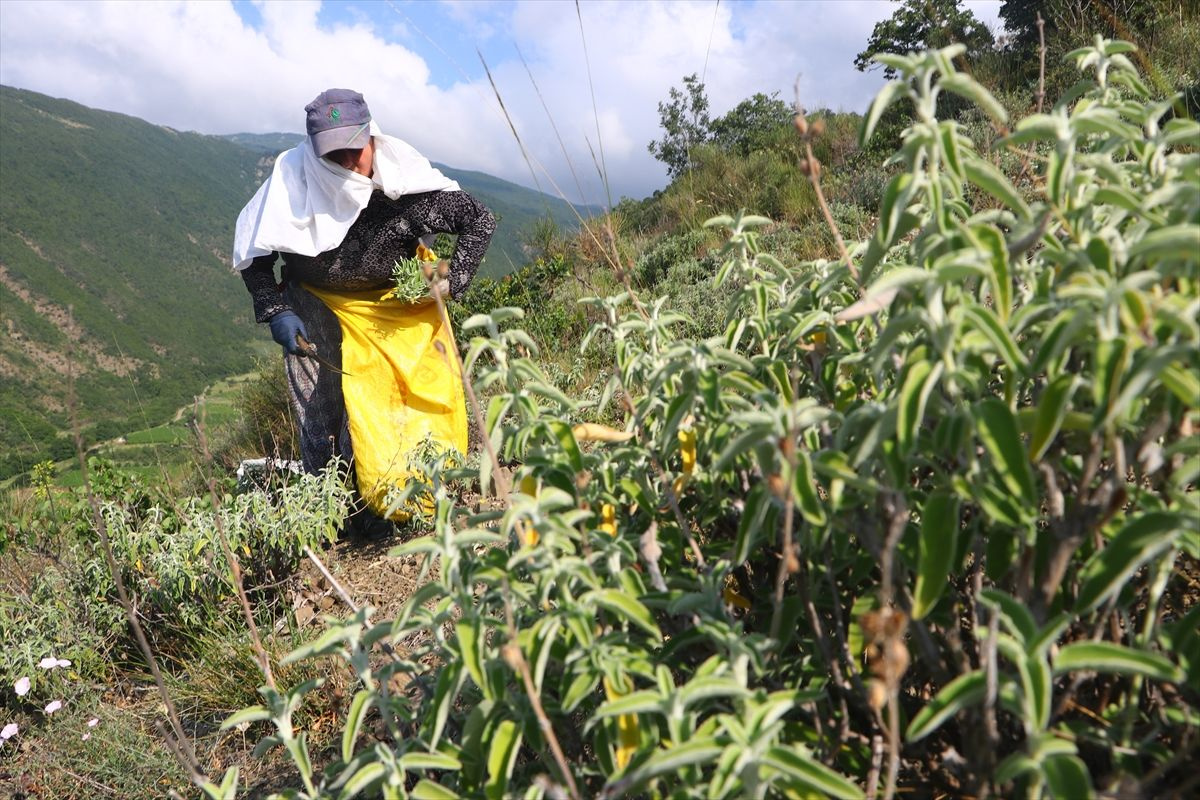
<point>338,119</point>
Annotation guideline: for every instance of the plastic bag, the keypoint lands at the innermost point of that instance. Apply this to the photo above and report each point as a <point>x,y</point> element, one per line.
<point>401,392</point>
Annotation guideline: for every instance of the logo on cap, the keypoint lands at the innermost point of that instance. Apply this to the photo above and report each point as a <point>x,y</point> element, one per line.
<point>334,114</point>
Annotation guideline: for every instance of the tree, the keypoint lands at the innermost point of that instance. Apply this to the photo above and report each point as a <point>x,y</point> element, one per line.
<point>1080,19</point>
<point>751,124</point>
<point>922,24</point>
<point>685,123</point>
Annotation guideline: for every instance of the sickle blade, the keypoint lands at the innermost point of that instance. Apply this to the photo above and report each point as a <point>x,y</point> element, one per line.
<point>309,350</point>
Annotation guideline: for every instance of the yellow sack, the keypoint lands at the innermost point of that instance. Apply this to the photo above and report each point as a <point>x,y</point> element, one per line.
<point>399,389</point>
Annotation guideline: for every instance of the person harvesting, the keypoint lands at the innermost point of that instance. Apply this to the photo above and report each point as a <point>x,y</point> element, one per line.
<point>340,210</point>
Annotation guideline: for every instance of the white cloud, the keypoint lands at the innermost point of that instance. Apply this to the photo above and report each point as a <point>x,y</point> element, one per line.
<point>200,66</point>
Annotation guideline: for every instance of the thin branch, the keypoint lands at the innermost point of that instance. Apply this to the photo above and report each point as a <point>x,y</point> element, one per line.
<point>550,117</point>
<point>651,552</point>
<point>893,732</point>
<point>179,744</point>
<point>516,659</point>
<point>502,485</point>
<point>876,765</point>
<point>338,589</point>
<point>1041,90</point>
<point>787,558</point>
<point>811,168</point>
<point>991,671</point>
<point>595,113</point>
<point>235,568</point>
<point>814,177</point>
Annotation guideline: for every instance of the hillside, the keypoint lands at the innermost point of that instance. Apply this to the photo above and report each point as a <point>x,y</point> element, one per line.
<point>114,240</point>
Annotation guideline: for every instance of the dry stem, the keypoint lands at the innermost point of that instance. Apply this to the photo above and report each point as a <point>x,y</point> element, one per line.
<point>814,177</point>
<point>787,558</point>
<point>516,659</point>
<point>512,650</point>
<point>1041,90</point>
<point>235,568</point>
<point>179,744</point>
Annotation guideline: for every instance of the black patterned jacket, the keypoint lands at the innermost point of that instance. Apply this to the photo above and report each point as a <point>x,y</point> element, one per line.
<point>385,231</point>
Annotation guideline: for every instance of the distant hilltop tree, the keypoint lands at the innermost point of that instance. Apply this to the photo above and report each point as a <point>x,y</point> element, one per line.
<point>684,118</point>
<point>923,24</point>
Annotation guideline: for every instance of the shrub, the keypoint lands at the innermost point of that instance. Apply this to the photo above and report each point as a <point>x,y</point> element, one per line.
<point>673,249</point>
<point>63,598</point>
<point>941,496</point>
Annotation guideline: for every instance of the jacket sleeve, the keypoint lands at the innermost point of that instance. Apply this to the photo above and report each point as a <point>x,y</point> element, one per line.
<point>259,278</point>
<point>461,214</point>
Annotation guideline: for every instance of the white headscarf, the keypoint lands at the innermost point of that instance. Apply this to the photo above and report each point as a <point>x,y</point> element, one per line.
<point>308,203</point>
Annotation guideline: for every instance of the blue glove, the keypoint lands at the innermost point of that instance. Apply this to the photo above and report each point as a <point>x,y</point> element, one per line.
<point>284,327</point>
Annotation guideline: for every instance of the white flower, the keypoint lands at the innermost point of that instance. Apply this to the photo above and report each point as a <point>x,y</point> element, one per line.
<point>50,662</point>
<point>93,722</point>
<point>10,730</point>
<point>21,687</point>
<point>85,737</point>
<point>52,706</point>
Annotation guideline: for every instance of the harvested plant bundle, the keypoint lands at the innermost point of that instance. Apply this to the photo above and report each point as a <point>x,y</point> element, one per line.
<point>409,275</point>
<point>412,280</point>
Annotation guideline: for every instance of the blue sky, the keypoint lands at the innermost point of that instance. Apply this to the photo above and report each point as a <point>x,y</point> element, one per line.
<point>230,66</point>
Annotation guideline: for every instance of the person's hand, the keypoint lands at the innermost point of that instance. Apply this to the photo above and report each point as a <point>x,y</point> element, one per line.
<point>284,327</point>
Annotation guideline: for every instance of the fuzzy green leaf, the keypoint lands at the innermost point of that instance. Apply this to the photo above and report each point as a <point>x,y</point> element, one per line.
<point>470,644</point>
<point>985,321</point>
<point>251,714</point>
<point>1114,658</point>
<point>669,760</point>
<point>566,440</point>
<point>643,701</point>
<point>1067,777</point>
<point>1051,410</point>
<point>354,717</point>
<point>364,777</point>
<point>628,607</point>
<point>967,87</point>
<point>965,690</point>
<point>938,545</point>
<point>502,757</point>
<point>804,491</point>
<point>1142,539</point>
<point>1174,241</point>
<point>984,175</point>
<point>1017,618</point>
<point>998,431</point>
<point>428,790</point>
<point>919,383</point>
<point>810,775</point>
<point>887,95</point>
<point>418,760</point>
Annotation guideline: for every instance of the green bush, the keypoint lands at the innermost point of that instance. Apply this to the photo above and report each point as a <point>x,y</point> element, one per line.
<point>63,599</point>
<point>927,519</point>
<point>686,247</point>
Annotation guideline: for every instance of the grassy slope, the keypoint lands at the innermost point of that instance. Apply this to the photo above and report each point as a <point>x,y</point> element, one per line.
<point>125,730</point>
<point>113,240</point>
